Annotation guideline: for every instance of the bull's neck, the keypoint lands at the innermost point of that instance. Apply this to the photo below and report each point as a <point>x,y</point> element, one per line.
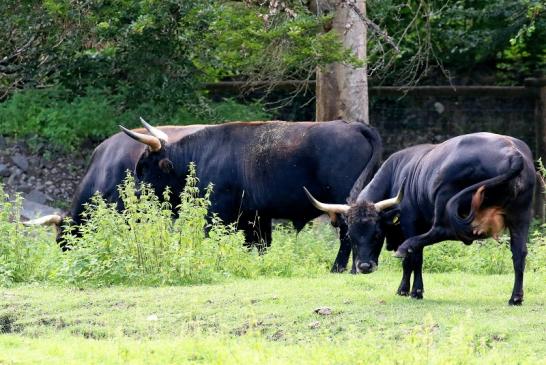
<point>381,185</point>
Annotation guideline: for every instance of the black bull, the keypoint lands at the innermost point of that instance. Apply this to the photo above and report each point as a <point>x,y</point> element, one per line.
<point>467,188</point>
<point>258,168</point>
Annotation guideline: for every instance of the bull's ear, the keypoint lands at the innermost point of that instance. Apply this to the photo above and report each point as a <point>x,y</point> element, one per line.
<point>390,217</point>
<point>166,165</point>
<point>390,223</point>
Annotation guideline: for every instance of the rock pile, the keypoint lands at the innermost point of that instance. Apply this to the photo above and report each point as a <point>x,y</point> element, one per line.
<point>44,178</point>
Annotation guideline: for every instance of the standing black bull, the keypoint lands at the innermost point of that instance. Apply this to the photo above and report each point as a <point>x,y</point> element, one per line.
<point>107,169</point>
<point>469,187</point>
<point>258,169</point>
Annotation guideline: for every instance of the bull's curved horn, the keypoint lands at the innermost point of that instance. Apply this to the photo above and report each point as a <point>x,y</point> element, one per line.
<point>329,208</point>
<point>156,132</point>
<point>387,203</point>
<point>152,141</point>
<point>47,220</point>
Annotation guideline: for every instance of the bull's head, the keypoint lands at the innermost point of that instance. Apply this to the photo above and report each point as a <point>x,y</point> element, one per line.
<point>155,164</point>
<point>368,223</point>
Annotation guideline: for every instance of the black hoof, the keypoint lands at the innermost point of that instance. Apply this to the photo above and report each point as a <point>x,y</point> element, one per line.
<point>403,292</point>
<point>515,301</point>
<point>417,294</point>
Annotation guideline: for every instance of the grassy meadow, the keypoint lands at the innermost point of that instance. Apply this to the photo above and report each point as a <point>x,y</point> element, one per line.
<point>463,319</point>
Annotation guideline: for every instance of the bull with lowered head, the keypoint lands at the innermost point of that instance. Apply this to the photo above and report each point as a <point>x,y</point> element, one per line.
<point>466,188</point>
<point>258,168</point>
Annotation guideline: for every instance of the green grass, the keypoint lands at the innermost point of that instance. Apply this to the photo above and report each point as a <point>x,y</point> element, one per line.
<point>463,319</point>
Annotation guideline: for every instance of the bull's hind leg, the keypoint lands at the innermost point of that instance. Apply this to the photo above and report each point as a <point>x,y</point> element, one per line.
<point>518,244</point>
<point>418,287</point>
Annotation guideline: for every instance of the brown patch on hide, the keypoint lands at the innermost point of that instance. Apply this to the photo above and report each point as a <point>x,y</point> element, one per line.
<point>487,221</point>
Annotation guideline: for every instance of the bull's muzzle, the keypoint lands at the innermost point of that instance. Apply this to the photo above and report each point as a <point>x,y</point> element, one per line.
<point>365,267</point>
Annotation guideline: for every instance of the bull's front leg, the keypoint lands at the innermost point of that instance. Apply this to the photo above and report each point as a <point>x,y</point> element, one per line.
<point>342,258</point>
<point>407,267</point>
<point>518,245</point>
<point>412,263</point>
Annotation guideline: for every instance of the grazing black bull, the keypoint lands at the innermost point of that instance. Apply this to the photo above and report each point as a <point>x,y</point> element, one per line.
<point>467,188</point>
<point>258,169</point>
<point>108,167</point>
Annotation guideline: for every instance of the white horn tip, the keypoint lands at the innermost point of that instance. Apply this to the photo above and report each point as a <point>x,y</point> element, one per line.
<point>48,220</point>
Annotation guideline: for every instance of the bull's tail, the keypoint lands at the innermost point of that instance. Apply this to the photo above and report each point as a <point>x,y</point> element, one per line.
<point>373,164</point>
<point>462,225</point>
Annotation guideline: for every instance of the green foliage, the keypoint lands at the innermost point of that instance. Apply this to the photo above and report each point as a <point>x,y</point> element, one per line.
<point>130,48</point>
<point>145,245</point>
<point>53,115</point>
<point>242,40</point>
<point>496,40</point>
<point>224,111</point>
<point>66,121</point>
<point>153,51</point>
<point>24,256</point>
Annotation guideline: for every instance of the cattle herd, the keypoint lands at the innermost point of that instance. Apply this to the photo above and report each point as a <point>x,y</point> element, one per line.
<point>469,187</point>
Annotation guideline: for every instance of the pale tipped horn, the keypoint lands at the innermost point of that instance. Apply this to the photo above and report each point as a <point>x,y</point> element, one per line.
<point>156,132</point>
<point>387,203</point>
<point>152,141</point>
<point>329,208</point>
<point>47,220</point>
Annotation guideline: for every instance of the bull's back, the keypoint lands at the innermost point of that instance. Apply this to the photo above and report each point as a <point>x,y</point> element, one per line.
<point>271,162</point>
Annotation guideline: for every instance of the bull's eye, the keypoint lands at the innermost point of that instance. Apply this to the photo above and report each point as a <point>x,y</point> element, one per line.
<point>166,165</point>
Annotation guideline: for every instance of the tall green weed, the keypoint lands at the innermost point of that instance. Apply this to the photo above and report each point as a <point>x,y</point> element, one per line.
<point>147,244</point>
<point>24,255</point>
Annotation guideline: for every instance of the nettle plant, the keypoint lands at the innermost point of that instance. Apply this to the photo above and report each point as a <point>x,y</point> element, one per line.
<point>149,243</point>
<point>24,255</point>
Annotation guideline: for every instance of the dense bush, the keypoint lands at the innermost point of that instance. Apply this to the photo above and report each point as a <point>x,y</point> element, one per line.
<point>66,120</point>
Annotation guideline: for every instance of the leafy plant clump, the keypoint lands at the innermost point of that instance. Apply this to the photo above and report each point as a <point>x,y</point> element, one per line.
<point>146,244</point>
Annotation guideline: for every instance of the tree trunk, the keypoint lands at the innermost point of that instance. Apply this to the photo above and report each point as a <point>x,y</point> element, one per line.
<point>342,90</point>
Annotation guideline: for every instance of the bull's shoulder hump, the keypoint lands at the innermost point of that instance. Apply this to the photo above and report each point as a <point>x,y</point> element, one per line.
<point>177,133</point>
